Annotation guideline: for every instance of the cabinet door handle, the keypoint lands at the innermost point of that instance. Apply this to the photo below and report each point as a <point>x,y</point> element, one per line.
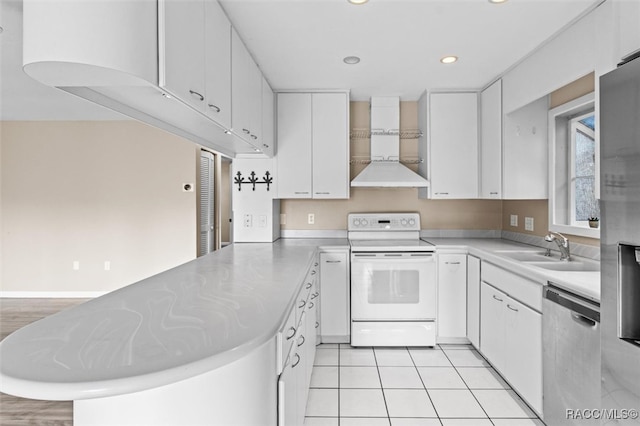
<point>293,333</point>
<point>314,295</point>
<point>493,193</point>
<point>311,305</point>
<point>301,192</point>
<point>303,340</point>
<point>302,303</point>
<point>333,261</point>
<point>442,193</point>
<point>317,324</point>
<point>297,361</point>
<point>309,285</point>
<point>323,193</point>
<point>497,298</point>
<point>196,95</point>
<point>315,264</point>
<point>313,272</point>
<point>512,308</point>
<point>246,131</point>
<point>254,137</point>
<point>451,263</point>
<point>215,107</point>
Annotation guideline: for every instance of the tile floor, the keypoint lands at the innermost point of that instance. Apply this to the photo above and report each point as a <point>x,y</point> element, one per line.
<point>449,385</point>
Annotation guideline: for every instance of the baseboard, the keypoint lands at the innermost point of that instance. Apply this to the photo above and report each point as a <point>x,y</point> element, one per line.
<point>51,294</point>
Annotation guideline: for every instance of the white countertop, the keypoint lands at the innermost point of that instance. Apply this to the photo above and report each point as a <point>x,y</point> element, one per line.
<point>169,327</point>
<point>586,284</point>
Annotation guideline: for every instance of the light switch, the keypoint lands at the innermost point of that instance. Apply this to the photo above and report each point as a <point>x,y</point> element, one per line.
<point>262,221</point>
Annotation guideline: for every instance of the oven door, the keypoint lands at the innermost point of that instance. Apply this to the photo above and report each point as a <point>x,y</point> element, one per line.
<point>393,286</point>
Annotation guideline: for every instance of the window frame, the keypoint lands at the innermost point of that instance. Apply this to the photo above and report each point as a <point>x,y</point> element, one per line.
<point>561,149</point>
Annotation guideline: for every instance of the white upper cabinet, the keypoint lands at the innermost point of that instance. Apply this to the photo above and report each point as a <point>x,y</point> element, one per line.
<point>453,156</point>
<point>330,123</point>
<point>525,153</point>
<point>246,91</point>
<point>217,30</point>
<point>491,141</point>
<point>294,145</point>
<point>196,59</point>
<point>313,145</point>
<point>268,119</point>
<point>183,72</point>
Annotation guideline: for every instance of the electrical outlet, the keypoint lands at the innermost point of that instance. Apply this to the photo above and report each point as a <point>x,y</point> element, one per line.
<point>107,265</point>
<point>248,221</point>
<point>283,218</point>
<point>311,219</point>
<point>528,224</point>
<point>76,265</point>
<point>514,220</point>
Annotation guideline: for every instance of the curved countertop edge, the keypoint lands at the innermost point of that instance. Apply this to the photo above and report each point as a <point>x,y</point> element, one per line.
<point>585,284</point>
<point>88,389</point>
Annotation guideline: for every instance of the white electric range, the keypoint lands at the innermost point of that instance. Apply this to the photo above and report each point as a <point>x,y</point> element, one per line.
<point>393,281</point>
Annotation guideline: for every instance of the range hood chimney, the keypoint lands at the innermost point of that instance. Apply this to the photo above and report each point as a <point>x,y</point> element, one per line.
<point>385,169</point>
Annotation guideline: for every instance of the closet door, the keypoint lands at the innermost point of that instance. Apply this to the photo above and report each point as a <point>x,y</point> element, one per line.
<point>206,217</point>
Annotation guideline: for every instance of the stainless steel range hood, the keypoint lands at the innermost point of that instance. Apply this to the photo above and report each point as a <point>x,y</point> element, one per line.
<point>385,169</point>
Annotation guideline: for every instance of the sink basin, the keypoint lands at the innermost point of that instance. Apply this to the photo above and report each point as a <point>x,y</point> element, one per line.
<point>528,256</point>
<point>572,266</point>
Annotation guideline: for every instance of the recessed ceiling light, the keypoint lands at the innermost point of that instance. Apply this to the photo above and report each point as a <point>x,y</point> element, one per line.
<point>351,60</point>
<point>449,59</point>
<point>498,1</point>
<point>357,1</point>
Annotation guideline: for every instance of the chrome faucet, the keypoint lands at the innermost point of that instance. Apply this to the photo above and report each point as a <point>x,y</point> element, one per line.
<point>562,242</point>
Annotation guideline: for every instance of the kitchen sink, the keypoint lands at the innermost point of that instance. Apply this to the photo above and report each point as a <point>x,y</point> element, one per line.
<point>570,266</point>
<point>529,256</point>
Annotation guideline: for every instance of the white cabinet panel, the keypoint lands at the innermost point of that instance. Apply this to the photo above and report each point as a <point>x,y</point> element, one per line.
<point>330,123</point>
<point>335,300</point>
<point>473,300</point>
<point>268,119</point>
<point>454,145</point>
<point>524,351</point>
<point>217,51</point>
<point>525,153</point>
<point>294,145</point>
<point>452,297</point>
<point>492,330</point>
<point>491,141</point>
<point>183,74</point>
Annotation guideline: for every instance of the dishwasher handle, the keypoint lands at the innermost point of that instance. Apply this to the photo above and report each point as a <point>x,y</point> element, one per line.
<point>582,320</point>
<point>582,310</point>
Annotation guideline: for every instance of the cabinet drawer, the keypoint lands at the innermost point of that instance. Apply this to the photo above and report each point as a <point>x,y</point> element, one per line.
<point>285,338</point>
<point>520,288</point>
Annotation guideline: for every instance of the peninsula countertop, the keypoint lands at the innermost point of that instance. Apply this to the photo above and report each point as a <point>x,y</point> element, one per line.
<point>180,323</point>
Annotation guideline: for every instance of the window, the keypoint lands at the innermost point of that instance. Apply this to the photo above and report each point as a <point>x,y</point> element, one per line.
<point>573,168</point>
<point>582,176</point>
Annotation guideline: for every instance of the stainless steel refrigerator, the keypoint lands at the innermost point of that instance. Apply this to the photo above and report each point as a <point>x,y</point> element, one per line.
<point>620,243</point>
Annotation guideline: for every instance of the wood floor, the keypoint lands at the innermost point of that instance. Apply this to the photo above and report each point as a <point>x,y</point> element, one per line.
<point>14,314</point>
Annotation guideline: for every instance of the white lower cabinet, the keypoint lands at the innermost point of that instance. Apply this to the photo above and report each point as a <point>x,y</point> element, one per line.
<point>511,336</point>
<point>452,298</point>
<point>300,341</point>
<point>334,307</point>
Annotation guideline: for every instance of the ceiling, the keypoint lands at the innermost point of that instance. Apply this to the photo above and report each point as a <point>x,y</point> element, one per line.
<point>300,44</point>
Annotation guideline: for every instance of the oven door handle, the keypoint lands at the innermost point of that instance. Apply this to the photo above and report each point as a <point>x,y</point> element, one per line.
<point>369,257</point>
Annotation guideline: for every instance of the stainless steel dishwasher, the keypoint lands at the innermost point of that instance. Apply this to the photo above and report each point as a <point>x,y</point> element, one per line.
<point>571,358</point>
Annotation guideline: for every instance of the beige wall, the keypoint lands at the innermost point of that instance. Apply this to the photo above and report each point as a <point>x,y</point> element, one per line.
<point>93,192</point>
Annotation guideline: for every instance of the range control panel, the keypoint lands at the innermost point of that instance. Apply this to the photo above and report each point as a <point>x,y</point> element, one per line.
<point>383,222</point>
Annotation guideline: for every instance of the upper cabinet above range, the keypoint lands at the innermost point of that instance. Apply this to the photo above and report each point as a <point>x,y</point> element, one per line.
<point>169,64</point>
